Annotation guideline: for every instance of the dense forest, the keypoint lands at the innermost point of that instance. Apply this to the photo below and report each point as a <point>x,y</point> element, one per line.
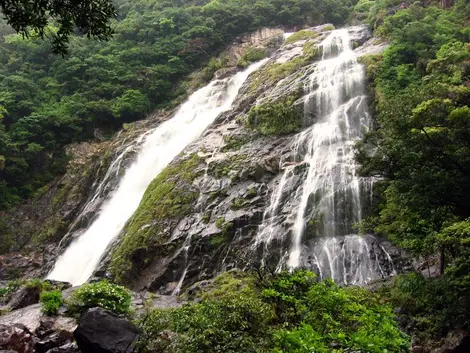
<point>421,150</point>
<point>418,153</point>
<point>47,101</point>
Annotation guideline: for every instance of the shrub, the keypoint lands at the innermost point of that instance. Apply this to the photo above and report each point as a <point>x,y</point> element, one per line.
<point>101,294</point>
<point>51,301</point>
<point>232,319</point>
<point>287,312</point>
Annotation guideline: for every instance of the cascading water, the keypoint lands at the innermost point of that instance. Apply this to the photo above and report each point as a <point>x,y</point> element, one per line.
<point>157,150</point>
<point>323,194</point>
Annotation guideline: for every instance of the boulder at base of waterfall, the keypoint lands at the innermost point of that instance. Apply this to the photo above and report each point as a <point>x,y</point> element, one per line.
<point>457,341</point>
<point>101,331</point>
<point>16,338</point>
<point>24,297</point>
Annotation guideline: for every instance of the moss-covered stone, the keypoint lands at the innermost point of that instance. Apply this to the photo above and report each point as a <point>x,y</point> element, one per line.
<point>328,28</point>
<point>234,143</point>
<point>252,55</point>
<point>218,239</point>
<point>371,63</point>
<point>237,203</point>
<point>223,168</point>
<point>301,35</point>
<point>275,118</point>
<point>274,72</point>
<point>168,198</point>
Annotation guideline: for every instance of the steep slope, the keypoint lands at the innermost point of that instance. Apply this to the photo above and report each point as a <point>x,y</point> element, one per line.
<point>232,173</point>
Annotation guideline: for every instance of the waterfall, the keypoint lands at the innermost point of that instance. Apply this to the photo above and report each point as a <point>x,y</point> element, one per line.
<point>156,149</point>
<point>320,197</point>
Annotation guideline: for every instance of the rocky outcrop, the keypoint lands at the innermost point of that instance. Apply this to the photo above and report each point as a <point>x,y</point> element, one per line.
<point>24,297</point>
<point>239,164</point>
<point>37,227</point>
<point>16,338</point>
<point>101,331</point>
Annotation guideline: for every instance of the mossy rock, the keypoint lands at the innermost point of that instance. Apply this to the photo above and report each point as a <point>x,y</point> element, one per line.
<point>234,143</point>
<point>226,166</point>
<point>168,198</point>
<point>252,55</point>
<point>301,35</point>
<point>276,118</point>
<point>274,72</point>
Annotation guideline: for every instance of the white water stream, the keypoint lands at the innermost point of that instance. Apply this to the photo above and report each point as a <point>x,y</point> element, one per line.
<point>328,199</point>
<point>161,145</point>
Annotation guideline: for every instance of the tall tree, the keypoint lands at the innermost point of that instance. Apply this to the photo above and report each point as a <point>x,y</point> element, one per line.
<point>90,17</point>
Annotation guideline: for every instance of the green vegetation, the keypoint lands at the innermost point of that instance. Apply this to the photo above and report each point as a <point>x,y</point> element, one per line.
<point>101,294</point>
<point>224,168</point>
<point>301,35</point>
<point>427,305</point>
<point>275,72</point>
<point>51,302</point>
<point>234,143</point>
<point>252,55</point>
<point>422,151</point>
<point>47,101</point>
<point>58,19</point>
<point>169,197</point>
<point>288,312</point>
<point>237,203</point>
<point>275,118</point>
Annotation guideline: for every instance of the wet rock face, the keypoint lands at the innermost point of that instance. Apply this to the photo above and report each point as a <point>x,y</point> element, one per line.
<point>38,226</point>
<point>238,172</point>
<point>100,331</point>
<point>24,297</point>
<point>16,338</point>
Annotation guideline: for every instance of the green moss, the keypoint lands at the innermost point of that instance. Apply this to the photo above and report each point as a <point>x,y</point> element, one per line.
<point>372,65</point>
<point>301,35</point>
<point>52,228</point>
<point>168,197</point>
<point>311,50</point>
<point>206,217</point>
<point>252,55</point>
<point>224,167</point>
<point>220,222</point>
<point>275,72</point>
<point>252,192</point>
<point>237,203</point>
<point>218,239</point>
<point>40,192</point>
<point>328,28</point>
<point>275,118</point>
<point>234,143</point>
<point>230,282</point>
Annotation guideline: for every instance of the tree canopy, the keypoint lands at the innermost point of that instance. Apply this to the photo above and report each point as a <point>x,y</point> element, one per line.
<point>48,101</point>
<point>90,17</point>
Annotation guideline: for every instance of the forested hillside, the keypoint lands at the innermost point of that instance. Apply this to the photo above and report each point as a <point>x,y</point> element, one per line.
<point>356,165</point>
<point>421,151</point>
<point>47,101</point>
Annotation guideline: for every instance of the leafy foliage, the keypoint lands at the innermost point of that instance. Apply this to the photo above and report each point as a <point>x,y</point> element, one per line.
<point>100,294</point>
<point>289,312</point>
<point>48,101</point>
<point>90,17</point>
<point>421,149</point>
<point>51,302</point>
